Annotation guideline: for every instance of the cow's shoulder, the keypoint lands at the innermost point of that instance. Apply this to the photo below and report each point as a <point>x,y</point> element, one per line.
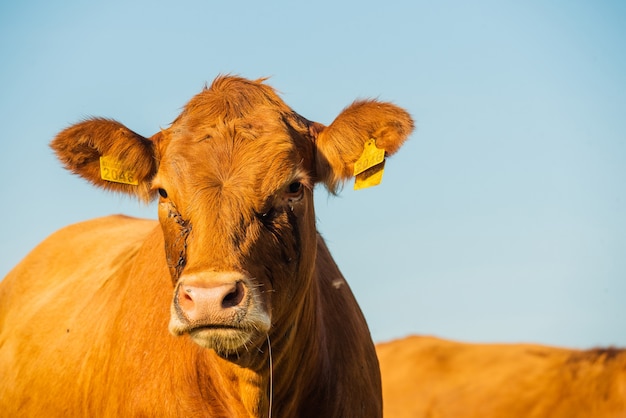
<point>346,341</point>
<point>70,300</point>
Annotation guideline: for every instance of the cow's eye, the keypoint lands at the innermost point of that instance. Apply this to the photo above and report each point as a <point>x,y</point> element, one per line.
<point>295,190</point>
<point>162,193</point>
<point>295,187</point>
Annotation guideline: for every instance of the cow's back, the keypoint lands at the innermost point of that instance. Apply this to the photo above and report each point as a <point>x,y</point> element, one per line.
<point>431,377</point>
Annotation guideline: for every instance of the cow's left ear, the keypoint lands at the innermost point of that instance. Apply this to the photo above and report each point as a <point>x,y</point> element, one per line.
<point>343,142</point>
<point>109,155</point>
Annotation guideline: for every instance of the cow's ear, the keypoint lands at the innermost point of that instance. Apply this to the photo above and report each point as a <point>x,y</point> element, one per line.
<point>109,155</point>
<point>343,142</point>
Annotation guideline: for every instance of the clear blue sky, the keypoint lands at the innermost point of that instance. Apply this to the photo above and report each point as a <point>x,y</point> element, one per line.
<point>502,219</point>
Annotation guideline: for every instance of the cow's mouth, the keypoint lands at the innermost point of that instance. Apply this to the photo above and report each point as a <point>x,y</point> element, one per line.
<point>214,327</point>
<point>224,339</point>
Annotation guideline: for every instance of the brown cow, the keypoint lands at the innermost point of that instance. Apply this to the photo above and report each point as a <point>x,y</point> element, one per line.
<point>430,377</point>
<point>266,324</point>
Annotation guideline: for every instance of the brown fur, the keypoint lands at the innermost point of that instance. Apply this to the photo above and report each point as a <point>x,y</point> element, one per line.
<point>84,317</point>
<point>98,136</point>
<point>430,377</point>
<point>339,155</point>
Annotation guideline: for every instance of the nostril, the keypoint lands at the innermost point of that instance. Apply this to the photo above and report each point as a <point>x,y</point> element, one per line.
<point>234,297</point>
<point>185,298</point>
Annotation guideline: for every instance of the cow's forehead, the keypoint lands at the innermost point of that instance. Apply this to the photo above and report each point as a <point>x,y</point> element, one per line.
<point>236,136</point>
<point>230,152</point>
<point>230,98</point>
<point>251,157</point>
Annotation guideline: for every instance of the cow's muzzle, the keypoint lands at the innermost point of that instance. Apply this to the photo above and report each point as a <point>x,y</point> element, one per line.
<point>220,310</point>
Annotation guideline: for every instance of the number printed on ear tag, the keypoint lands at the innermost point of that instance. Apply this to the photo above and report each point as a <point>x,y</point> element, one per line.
<point>368,169</point>
<point>370,157</point>
<point>111,169</point>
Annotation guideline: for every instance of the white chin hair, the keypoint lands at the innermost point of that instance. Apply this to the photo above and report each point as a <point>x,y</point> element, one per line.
<point>223,340</point>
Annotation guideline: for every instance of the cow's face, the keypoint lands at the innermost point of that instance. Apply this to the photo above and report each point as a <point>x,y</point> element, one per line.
<point>235,205</point>
<point>234,176</point>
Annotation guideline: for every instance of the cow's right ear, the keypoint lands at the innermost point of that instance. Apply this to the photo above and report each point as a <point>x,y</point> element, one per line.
<point>344,141</point>
<point>109,155</point>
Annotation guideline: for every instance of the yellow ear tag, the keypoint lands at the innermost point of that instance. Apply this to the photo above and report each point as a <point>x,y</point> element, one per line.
<point>111,169</point>
<point>368,169</point>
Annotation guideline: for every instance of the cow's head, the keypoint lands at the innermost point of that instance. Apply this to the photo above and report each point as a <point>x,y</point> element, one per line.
<point>234,176</point>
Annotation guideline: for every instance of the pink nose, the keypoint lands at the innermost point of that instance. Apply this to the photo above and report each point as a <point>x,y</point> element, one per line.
<point>209,303</point>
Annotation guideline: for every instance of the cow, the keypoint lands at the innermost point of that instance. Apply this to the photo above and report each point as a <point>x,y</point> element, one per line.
<point>430,377</point>
<point>230,305</point>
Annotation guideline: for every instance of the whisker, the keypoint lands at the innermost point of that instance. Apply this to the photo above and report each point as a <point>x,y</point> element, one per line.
<point>271,383</point>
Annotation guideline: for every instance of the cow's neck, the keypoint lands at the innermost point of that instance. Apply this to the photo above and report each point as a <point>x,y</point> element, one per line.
<point>298,357</point>
<point>281,372</point>
<point>248,386</point>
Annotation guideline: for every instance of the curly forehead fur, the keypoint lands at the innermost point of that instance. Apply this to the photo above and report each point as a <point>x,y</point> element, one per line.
<point>240,122</point>
<point>232,134</point>
<point>236,157</point>
<point>230,98</point>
